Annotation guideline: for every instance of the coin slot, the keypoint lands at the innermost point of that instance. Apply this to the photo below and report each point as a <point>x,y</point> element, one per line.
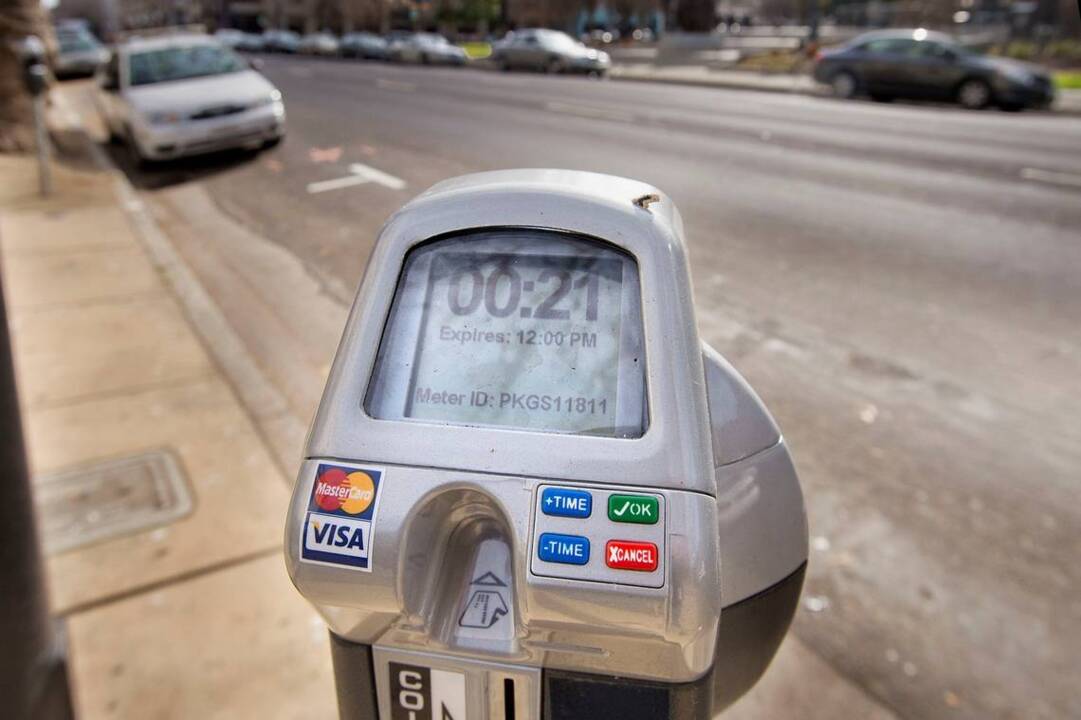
<point>508,698</point>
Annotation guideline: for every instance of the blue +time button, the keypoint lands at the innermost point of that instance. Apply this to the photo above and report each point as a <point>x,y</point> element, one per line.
<point>566,549</point>
<point>565,502</point>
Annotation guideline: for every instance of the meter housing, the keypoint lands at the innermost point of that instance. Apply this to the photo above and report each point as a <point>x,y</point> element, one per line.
<point>509,527</point>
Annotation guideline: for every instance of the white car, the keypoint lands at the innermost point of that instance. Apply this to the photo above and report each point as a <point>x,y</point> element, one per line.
<point>322,43</point>
<point>229,37</point>
<point>180,95</point>
<point>79,53</point>
<point>428,49</point>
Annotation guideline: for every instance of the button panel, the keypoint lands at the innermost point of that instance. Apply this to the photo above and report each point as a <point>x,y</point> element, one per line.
<point>631,534</point>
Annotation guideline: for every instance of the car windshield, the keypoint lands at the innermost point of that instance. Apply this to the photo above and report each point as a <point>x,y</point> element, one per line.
<point>559,40</point>
<point>76,44</point>
<point>181,63</point>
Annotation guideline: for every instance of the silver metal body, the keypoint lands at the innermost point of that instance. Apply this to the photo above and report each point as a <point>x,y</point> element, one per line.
<point>456,504</point>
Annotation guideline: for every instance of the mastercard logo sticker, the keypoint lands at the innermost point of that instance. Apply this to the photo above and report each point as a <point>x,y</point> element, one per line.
<point>344,491</point>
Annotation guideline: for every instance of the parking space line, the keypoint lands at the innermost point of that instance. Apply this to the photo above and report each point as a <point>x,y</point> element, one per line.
<point>589,111</point>
<point>361,174</point>
<point>395,85</point>
<point>335,184</point>
<point>1050,176</point>
<point>377,176</point>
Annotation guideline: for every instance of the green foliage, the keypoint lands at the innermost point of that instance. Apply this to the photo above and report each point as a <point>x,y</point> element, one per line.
<point>1060,52</point>
<point>476,50</point>
<point>1066,51</point>
<point>469,13</point>
<point>1019,50</point>
<point>1068,80</point>
<point>778,61</point>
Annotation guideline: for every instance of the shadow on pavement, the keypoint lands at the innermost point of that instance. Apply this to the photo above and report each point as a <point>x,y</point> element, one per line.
<point>161,175</point>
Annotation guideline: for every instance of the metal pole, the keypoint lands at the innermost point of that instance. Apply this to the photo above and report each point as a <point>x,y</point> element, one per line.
<point>45,178</point>
<point>33,676</point>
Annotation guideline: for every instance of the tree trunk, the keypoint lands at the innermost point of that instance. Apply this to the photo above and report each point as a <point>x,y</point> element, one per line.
<point>696,15</point>
<point>18,18</point>
<point>1069,19</point>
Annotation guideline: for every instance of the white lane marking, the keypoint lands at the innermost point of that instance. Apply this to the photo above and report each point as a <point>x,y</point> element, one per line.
<point>336,184</point>
<point>377,176</point>
<point>1050,176</point>
<point>589,111</point>
<point>395,85</point>
<point>361,175</point>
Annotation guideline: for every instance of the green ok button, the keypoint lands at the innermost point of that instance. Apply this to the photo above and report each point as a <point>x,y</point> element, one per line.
<point>644,509</point>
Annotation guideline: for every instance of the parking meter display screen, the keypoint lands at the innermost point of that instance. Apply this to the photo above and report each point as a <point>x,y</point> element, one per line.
<point>529,329</point>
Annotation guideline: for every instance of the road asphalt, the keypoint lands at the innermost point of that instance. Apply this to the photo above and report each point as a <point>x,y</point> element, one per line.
<point>901,283</point>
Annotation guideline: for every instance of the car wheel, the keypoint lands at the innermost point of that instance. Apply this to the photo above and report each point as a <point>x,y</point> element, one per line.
<point>272,142</point>
<point>974,94</point>
<point>844,85</point>
<point>424,59</point>
<point>504,66</point>
<point>135,156</point>
<point>881,97</point>
<point>115,138</point>
<point>554,66</point>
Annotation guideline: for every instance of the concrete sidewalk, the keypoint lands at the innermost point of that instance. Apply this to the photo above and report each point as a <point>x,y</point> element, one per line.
<point>193,618</point>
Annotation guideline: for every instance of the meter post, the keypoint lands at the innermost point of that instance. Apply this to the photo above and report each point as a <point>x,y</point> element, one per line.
<point>33,676</point>
<point>527,471</point>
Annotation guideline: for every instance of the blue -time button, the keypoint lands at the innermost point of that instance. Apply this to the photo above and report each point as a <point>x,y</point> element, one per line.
<point>564,502</point>
<point>566,549</point>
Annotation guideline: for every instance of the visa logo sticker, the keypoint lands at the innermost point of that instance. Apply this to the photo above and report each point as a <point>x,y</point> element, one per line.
<point>340,518</point>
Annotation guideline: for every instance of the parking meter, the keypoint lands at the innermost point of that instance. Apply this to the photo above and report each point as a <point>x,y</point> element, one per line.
<point>529,490</point>
<point>30,52</point>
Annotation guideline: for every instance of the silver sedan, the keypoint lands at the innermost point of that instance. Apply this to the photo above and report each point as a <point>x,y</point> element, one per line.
<point>549,51</point>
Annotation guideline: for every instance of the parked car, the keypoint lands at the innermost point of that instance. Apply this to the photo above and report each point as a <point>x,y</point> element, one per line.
<point>921,64</point>
<point>320,43</point>
<point>251,42</point>
<point>364,45</point>
<point>282,41</point>
<point>78,53</point>
<point>549,51</point>
<point>427,48</point>
<point>229,37</point>
<point>185,94</point>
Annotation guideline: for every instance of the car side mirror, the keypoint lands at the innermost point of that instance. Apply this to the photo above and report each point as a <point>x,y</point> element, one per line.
<point>256,64</point>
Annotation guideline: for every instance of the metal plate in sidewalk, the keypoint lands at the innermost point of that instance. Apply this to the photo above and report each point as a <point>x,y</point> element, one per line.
<point>102,500</point>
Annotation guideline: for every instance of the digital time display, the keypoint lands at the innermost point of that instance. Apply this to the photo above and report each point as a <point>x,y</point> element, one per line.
<point>527,339</point>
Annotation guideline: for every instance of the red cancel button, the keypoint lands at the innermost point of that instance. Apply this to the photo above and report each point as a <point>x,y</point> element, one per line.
<point>627,555</point>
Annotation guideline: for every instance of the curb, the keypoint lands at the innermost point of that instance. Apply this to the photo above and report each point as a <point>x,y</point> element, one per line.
<point>721,84</point>
<point>257,396</point>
